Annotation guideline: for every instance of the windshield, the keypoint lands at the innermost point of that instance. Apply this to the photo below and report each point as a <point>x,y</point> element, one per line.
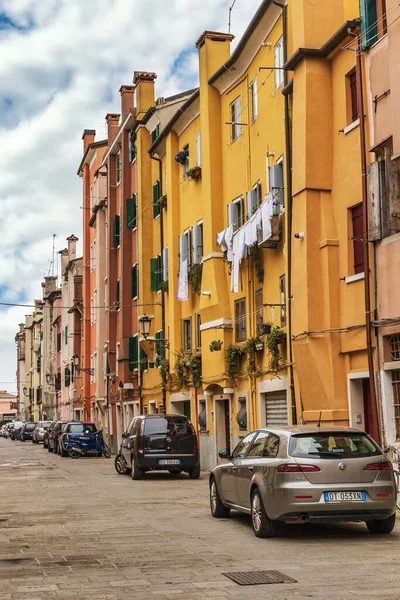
<point>82,428</point>
<point>337,445</point>
<point>44,425</point>
<point>164,425</point>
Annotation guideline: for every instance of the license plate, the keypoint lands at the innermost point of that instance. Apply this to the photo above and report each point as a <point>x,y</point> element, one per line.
<point>345,496</point>
<point>169,461</point>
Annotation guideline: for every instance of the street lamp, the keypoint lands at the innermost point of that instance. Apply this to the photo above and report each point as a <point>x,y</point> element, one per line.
<point>145,322</point>
<point>25,390</point>
<point>75,360</point>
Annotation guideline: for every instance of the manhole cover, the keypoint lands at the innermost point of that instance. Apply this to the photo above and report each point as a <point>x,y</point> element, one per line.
<point>259,577</point>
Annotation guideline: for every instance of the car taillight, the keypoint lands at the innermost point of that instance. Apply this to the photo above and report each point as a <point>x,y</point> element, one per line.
<point>382,466</point>
<point>294,468</point>
<point>196,447</point>
<point>139,449</point>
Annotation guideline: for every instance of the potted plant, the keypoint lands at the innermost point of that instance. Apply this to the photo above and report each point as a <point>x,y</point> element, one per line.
<point>162,201</point>
<point>195,369</point>
<point>195,272</point>
<point>215,345</point>
<point>163,286</point>
<point>233,354</point>
<point>194,173</point>
<point>274,338</point>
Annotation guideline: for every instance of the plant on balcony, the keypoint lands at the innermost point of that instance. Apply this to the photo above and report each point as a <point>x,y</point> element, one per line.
<point>215,345</point>
<point>195,369</point>
<point>259,273</point>
<point>250,348</point>
<point>162,201</point>
<point>273,339</point>
<point>180,369</point>
<point>194,173</point>
<point>233,353</point>
<point>164,373</point>
<point>163,286</point>
<point>195,273</point>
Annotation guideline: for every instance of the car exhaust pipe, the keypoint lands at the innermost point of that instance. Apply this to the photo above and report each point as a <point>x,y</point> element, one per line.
<point>298,519</point>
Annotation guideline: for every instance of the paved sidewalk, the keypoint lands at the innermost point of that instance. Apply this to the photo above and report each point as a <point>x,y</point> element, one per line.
<point>74,530</point>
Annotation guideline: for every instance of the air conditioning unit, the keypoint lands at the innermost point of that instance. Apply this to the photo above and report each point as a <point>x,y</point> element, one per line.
<point>275,238</point>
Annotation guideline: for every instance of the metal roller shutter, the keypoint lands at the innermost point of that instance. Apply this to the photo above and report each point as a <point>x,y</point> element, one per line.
<point>276,408</point>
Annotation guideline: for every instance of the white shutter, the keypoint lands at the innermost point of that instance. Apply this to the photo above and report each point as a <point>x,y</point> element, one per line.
<point>233,214</point>
<point>197,244</point>
<point>252,199</point>
<point>165,264</point>
<point>183,248</point>
<point>198,149</point>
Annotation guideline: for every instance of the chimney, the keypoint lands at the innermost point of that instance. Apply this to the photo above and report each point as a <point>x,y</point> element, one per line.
<point>112,120</point>
<point>212,53</point>
<point>127,99</point>
<point>144,87</point>
<point>64,259</point>
<point>21,327</point>
<point>72,239</point>
<point>88,138</point>
<point>49,285</point>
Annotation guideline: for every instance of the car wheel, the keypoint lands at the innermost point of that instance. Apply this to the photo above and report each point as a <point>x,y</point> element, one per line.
<point>218,510</point>
<point>262,525</point>
<point>136,471</point>
<point>120,465</point>
<point>49,449</point>
<point>383,526</point>
<point>195,472</point>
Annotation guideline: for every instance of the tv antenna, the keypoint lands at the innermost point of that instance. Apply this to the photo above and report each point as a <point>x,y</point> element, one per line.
<point>52,261</point>
<point>230,15</point>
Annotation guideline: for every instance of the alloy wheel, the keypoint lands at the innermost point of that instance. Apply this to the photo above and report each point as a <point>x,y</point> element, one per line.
<point>213,496</point>
<point>256,514</point>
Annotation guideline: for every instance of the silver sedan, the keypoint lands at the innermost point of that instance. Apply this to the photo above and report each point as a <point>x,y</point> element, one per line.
<point>304,474</point>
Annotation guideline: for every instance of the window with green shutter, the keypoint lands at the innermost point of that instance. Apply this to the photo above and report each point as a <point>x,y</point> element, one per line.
<point>155,273</point>
<point>67,377</point>
<point>116,231</point>
<point>131,212</point>
<point>135,281</point>
<point>30,394</point>
<point>155,133</point>
<point>66,334</point>
<point>144,361</point>
<point>158,348</point>
<point>156,197</point>
<point>118,293</point>
<point>369,32</point>
<point>118,167</point>
<point>133,352</point>
<point>131,147</point>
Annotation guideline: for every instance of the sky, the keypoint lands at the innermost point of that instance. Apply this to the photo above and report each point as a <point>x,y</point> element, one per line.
<point>62,63</point>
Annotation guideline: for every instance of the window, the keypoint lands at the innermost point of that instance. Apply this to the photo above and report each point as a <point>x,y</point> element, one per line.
<point>94,262</point>
<point>131,212</point>
<point>266,445</point>
<point>241,417</point>
<point>332,445</point>
<point>282,298</point>
<point>253,199</point>
<point>234,112</point>
<point>117,294</point>
<point>165,264</point>
<point>91,258</point>
<point>131,146</point>
<point>276,181</point>
<point>394,341</point>
<point>198,149</point>
<point>66,334</point>
<point>144,362</point>
<point>240,320</point>
<point>396,401</point>
<point>186,163</point>
<point>67,377</point>
<point>155,273</point>
<point>352,83</point>
<point>186,334</point>
<point>373,21</point>
<point>184,247</point>
<point>357,234</point>
<point>197,331</point>
<point>135,280</point>
<point>253,93</point>
<point>116,231</point>
<point>158,348</point>
<point>94,367</point>
<point>91,311</point>
<point>59,342</point>
<point>156,198</point>
<point>259,310</point>
<point>155,133</point>
<point>236,213</point>
<point>202,414</point>
<point>118,166</point>
<point>133,352</point>
<point>278,64</point>
<point>243,446</point>
<point>95,307</point>
<point>197,244</point>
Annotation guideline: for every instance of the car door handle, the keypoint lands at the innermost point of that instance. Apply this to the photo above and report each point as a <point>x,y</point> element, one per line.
<point>250,469</point>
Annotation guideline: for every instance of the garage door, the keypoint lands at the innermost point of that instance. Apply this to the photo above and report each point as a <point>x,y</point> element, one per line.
<point>276,408</point>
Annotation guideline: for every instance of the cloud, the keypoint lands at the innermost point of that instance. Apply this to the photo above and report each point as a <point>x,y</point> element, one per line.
<point>63,62</point>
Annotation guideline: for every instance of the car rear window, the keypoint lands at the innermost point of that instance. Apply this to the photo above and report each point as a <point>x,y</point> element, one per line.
<point>332,445</point>
<point>164,425</point>
<point>30,426</point>
<point>82,428</point>
<point>45,424</point>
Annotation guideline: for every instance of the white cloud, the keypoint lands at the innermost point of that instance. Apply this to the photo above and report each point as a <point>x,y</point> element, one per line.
<point>60,65</point>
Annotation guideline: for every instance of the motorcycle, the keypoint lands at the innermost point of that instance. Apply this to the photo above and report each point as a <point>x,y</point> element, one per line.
<point>87,445</point>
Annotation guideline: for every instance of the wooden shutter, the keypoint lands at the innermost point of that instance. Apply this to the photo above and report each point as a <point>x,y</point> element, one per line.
<point>131,212</point>
<point>357,222</point>
<point>156,197</point>
<point>155,133</point>
<point>143,359</point>
<point>183,248</point>
<point>133,352</point>
<point>66,334</point>
<point>134,281</point>
<point>165,264</point>
<point>197,244</point>
<point>155,273</point>
<point>67,377</point>
<point>158,349</point>
<point>116,231</point>
<point>118,292</point>
<point>369,32</point>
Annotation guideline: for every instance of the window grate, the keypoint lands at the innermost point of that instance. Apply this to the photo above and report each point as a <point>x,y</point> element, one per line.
<point>396,401</point>
<point>395,346</point>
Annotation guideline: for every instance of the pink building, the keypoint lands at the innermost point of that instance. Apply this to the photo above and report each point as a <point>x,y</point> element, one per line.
<point>8,407</point>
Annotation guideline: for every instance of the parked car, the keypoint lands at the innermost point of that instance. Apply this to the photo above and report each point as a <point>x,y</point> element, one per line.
<point>26,432</point>
<point>54,435</point>
<point>46,434</point>
<point>3,430</point>
<point>305,474</point>
<point>159,442</point>
<point>15,430</point>
<point>39,431</point>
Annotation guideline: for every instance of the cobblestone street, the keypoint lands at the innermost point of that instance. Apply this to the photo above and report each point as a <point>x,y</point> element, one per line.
<point>76,530</point>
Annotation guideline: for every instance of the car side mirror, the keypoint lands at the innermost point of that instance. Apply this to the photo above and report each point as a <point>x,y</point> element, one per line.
<point>224,453</point>
<point>124,435</point>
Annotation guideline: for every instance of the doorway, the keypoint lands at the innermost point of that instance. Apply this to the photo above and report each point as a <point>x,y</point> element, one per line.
<point>222,426</point>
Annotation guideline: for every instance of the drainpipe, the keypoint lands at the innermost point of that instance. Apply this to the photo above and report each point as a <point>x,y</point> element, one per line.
<point>367,285</point>
<point>288,162</point>
<point>164,393</point>
<point>377,347</point>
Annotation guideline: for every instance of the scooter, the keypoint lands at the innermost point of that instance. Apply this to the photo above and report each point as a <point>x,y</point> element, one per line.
<point>93,445</point>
